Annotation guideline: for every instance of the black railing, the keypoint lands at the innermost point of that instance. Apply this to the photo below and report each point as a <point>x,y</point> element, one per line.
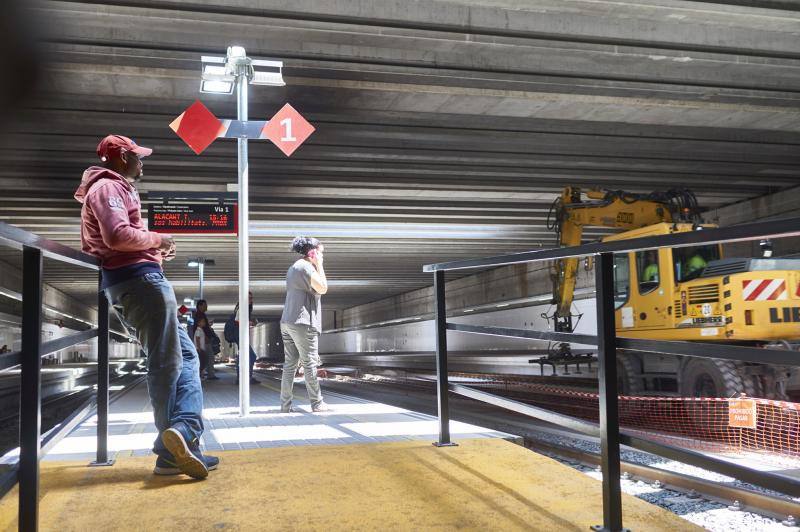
<point>34,248</point>
<point>609,430</point>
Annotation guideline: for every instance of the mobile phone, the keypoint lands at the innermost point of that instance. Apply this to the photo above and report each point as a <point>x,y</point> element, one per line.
<point>312,254</point>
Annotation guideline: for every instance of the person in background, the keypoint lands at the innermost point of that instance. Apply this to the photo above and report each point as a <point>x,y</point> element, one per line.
<point>233,325</point>
<point>301,321</point>
<point>695,263</point>
<point>650,272</point>
<point>203,344</point>
<point>207,361</point>
<point>112,230</point>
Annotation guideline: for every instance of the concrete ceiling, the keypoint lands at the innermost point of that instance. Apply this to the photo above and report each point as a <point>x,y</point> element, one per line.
<point>444,128</point>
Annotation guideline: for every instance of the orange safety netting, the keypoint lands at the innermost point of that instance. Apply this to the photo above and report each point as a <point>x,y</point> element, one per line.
<point>692,422</point>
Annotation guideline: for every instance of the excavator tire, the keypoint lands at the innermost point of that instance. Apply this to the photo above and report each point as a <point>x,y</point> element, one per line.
<point>711,377</point>
<point>628,369</point>
<point>753,385</point>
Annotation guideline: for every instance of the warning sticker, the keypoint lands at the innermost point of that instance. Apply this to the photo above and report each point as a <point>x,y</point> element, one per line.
<point>742,413</point>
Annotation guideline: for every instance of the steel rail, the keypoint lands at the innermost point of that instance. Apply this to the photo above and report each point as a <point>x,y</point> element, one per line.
<point>760,503</point>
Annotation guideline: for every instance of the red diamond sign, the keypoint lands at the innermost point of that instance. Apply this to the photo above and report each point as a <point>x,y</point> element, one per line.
<point>197,126</point>
<point>288,129</point>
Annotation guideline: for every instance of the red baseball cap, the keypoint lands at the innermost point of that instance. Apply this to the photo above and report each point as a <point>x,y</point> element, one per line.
<point>118,143</point>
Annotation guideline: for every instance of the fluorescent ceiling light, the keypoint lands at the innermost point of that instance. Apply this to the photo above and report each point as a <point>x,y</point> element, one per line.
<point>216,73</point>
<point>216,86</point>
<point>268,78</point>
<point>212,59</point>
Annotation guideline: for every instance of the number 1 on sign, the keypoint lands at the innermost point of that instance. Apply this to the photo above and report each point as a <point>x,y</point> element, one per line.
<point>288,137</point>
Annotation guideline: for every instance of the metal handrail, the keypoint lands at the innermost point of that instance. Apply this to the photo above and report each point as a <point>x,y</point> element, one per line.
<point>34,248</point>
<point>17,238</point>
<point>737,233</point>
<point>608,344</point>
<point>759,355</point>
<point>13,358</point>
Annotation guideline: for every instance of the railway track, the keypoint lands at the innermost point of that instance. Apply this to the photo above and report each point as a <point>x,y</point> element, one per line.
<point>740,499</point>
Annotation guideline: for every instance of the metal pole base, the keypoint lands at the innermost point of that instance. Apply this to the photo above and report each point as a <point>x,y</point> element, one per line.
<point>601,528</point>
<point>448,444</point>
<point>102,464</point>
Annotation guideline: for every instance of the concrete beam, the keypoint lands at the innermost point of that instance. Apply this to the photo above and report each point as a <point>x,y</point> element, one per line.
<point>669,24</point>
<point>781,205</point>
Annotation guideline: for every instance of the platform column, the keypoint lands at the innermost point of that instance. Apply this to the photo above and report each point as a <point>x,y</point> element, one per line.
<point>30,411</point>
<point>609,401</point>
<point>102,382</point>
<point>442,388</point>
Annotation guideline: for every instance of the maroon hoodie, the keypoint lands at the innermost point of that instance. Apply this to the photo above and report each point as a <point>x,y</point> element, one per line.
<point>112,228</point>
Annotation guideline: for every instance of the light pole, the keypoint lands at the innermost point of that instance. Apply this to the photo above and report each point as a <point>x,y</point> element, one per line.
<point>200,263</point>
<point>219,76</point>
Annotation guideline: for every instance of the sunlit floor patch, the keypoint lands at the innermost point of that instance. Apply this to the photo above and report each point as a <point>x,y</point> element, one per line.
<point>411,428</point>
<point>277,433</point>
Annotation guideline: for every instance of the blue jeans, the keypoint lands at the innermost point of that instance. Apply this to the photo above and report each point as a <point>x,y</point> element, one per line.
<point>253,358</point>
<point>146,305</point>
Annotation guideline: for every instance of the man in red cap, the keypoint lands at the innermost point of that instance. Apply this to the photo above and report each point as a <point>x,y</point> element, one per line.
<point>112,230</point>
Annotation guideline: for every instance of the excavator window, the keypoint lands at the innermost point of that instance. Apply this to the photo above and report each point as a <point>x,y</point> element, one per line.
<point>647,270</point>
<point>622,279</point>
<point>690,261</point>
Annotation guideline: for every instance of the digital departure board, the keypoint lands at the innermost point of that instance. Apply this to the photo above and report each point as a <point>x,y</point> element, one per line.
<point>198,218</point>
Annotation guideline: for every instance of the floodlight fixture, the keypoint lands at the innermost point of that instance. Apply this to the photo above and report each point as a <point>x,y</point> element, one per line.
<point>194,262</point>
<point>219,73</point>
<point>210,86</point>
<point>267,72</point>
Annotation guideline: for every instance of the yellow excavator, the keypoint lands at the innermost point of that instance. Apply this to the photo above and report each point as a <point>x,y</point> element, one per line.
<point>688,293</point>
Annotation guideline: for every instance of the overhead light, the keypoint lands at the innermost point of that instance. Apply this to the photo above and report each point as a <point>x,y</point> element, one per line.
<point>193,263</point>
<point>213,86</point>
<point>188,300</point>
<point>267,72</point>
<point>216,72</point>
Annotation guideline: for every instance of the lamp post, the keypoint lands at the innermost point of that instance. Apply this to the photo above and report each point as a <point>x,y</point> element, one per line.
<point>221,75</point>
<point>200,263</point>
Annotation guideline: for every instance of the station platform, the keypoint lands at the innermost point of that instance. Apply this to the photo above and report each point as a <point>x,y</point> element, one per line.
<point>361,466</point>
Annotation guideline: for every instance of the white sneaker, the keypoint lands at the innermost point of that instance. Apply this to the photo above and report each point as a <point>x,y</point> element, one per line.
<point>321,407</point>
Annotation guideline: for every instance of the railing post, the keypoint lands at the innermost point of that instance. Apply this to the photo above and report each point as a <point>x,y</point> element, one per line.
<point>30,411</point>
<point>609,401</point>
<point>442,389</point>
<point>102,382</point>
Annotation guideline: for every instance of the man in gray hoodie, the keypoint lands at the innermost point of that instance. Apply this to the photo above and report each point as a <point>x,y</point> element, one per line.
<point>112,230</point>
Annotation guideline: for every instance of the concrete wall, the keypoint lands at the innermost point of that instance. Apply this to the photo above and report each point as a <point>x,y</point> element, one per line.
<point>785,204</point>
<point>419,335</point>
<point>497,285</point>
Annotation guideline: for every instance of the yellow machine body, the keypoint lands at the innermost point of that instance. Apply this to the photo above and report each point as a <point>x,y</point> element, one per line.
<point>745,306</point>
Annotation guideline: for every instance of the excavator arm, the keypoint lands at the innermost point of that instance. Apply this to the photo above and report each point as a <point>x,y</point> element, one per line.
<point>576,209</point>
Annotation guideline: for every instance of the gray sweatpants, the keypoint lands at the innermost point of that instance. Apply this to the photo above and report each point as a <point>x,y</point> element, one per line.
<point>300,346</point>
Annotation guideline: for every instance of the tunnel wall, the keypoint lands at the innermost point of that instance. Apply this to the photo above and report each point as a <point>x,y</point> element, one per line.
<point>420,335</point>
